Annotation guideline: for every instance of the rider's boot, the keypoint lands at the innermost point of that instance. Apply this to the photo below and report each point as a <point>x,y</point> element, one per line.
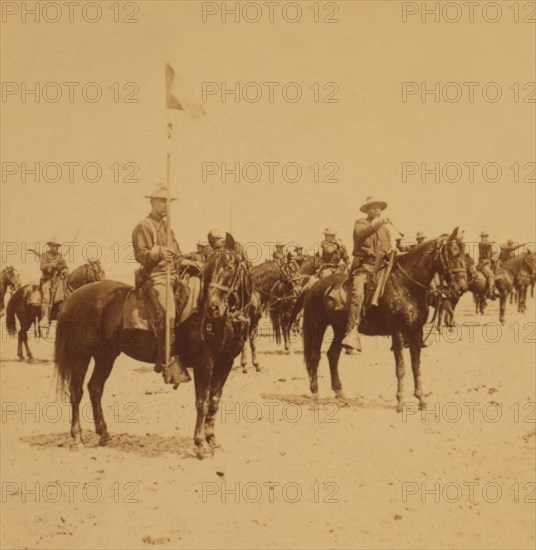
<point>173,372</point>
<point>44,322</point>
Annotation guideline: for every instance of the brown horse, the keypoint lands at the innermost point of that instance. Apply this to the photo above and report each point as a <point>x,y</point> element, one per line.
<point>287,316</point>
<point>283,299</point>
<point>9,279</point>
<point>401,313</point>
<point>208,341</point>
<point>515,273</point>
<point>269,279</point>
<point>25,304</point>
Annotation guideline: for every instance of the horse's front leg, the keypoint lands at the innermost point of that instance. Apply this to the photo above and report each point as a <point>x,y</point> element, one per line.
<point>244,357</point>
<point>253,346</point>
<point>398,352</point>
<point>202,378</point>
<point>222,368</point>
<point>415,344</point>
<point>502,307</point>
<point>20,353</point>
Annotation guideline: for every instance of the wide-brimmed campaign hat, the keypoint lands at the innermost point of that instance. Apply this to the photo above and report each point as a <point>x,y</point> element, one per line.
<point>159,192</point>
<point>330,231</point>
<point>484,234</point>
<point>53,242</point>
<point>420,235</point>
<point>370,201</point>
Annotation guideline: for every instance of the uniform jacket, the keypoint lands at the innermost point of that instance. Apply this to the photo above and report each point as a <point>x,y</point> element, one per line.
<point>50,263</point>
<point>333,252</point>
<point>149,233</point>
<point>368,242</point>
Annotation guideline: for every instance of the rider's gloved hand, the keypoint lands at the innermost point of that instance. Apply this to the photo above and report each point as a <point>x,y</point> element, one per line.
<point>166,254</point>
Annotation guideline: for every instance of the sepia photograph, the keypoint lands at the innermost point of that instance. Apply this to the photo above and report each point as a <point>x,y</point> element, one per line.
<point>267,274</point>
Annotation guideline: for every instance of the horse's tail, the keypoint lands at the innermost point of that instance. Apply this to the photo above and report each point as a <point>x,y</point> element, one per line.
<point>276,323</point>
<point>11,325</point>
<point>64,353</point>
<point>312,339</point>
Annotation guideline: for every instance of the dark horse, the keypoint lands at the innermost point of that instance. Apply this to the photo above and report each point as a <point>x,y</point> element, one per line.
<point>285,313</point>
<point>9,279</point>
<point>401,313</point>
<point>515,274</point>
<point>25,304</point>
<point>269,281</point>
<point>208,341</point>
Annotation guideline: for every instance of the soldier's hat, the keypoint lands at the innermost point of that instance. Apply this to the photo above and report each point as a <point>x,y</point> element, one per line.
<point>330,231</point>
<point>420,235</point>
<point>200,243</point>
<point>510,242</point>
<point>159,192</point>
<point>484,234</point>
<point>279,245</point>
<point>298,247</point>
<point>370,201</point>
<point>53,242</point>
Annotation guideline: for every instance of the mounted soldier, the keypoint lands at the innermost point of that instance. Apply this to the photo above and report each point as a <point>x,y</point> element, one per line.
<point>216,239</point>
<point>297,255</point>
<point>487,258</point>
<point>279,254</point>
<point>372,241</point>
<point>153,251</point>
<point>199,255</point>
<point>54,270</point>
<point>334,255</point>
<point>507,250</point>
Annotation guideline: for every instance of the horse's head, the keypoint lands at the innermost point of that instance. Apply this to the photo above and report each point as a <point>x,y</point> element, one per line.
<point>227,282</point>
<point>450,262</point>
<point>529,259</point>
<point>12,278</point>
<point>292,277</point>
<point>95,270</point>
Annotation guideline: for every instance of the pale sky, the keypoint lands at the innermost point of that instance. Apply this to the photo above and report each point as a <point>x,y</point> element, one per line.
<point>368,134</point>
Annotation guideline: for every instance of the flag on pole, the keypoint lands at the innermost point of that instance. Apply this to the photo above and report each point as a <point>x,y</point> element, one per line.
<point>172,102</point>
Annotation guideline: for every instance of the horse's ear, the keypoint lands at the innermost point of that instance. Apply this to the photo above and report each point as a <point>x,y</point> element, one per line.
<point>454,234</point>
<point>229,241</point>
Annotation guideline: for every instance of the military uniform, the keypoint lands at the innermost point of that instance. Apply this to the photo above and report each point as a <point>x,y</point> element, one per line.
<point>371,239</point>
<point>486,264</point>
<point>279,255</point>
<point>53,267</point>
<point>148,238</point>
<point>506,250</point>
<point>333,253</point>
<point>420,237</point>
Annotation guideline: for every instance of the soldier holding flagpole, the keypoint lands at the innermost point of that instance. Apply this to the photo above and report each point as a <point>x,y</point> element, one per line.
<point>158,252</point>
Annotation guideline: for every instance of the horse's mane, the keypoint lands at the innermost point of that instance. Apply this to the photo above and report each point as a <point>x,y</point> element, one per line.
<point>266,273</point>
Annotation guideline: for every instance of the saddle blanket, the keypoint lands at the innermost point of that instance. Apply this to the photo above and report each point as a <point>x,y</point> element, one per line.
<point>137,316</point>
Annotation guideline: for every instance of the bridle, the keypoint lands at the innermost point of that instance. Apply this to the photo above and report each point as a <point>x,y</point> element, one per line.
<point>447,271</point>
<point>235,290</point>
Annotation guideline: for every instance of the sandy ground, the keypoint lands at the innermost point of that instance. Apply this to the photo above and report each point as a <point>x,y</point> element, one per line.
<point>349,474</point>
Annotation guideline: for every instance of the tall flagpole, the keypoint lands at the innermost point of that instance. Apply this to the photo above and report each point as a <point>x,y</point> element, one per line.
<point>168,244</point>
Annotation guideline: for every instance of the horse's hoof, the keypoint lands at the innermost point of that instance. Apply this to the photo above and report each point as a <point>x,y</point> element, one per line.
<point>74,446</point>
<point>339,395</point>
<point>203,451</point>
<point>21,359</point>
<point>287,352</point>
<point>213,443</point>
<point>314,396</point>
<point>30,360</point>
<point>422,406</point>
<point>400,407</point>
<point>104,440</point>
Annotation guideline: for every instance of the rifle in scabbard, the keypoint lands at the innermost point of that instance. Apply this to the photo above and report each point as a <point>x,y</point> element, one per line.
<point>384,275</point>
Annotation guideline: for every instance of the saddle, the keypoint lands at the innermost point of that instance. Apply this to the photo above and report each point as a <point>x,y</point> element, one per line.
<point>374,286</point>
<point>340,294</point>
<point>36,296</point>
<point>137,315</point>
